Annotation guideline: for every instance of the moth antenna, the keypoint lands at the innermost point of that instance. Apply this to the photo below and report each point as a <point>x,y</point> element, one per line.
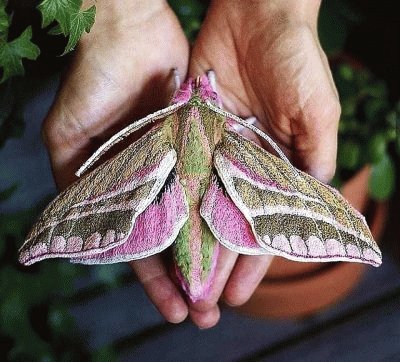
<point>177,78</point>
<point>212,80</point>
<point>238,127</point>
<point>262,134</point>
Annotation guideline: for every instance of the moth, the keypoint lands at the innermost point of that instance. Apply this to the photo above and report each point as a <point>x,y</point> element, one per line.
<point>193,182</point>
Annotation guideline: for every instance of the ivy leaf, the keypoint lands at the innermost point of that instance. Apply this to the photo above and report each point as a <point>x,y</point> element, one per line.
<point>382,179</point>
<point>60,11</point>
<point>81,21</point>
<point>12,53</point>
<point>4,19</point>
<point>71,20</point>
<point>56,30</point>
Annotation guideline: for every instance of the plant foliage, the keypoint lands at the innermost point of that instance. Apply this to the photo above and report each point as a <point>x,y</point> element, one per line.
<point>71,20</point>
<point>67,18</point>
<point>367,129</point>
<point>12,52</point>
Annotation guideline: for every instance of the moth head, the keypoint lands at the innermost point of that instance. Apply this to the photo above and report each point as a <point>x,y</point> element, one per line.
<point>196,91</point>
<point>203,90</point>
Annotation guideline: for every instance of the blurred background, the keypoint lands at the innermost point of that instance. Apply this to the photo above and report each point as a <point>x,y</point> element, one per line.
<point>56,311</point>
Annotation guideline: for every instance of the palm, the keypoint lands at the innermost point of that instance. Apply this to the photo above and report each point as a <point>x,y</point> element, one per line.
<point>278,74</point>
<point>111,81</point>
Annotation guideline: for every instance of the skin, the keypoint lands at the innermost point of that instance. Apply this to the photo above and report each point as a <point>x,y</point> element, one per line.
<point>268,63</point>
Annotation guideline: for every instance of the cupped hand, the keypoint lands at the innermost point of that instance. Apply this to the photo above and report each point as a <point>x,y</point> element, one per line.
<point>121,71</point>
<point>269,64</point>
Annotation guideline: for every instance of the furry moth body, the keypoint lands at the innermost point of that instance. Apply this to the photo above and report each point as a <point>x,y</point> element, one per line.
<point>194,183</point>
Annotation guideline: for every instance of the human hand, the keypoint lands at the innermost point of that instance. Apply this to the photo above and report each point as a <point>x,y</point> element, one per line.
<point>132,47</point>
<point>269,63</point>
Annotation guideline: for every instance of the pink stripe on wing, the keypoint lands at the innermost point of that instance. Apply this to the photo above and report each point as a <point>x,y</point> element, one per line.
<point>227,222</point>
<point>155,229</point>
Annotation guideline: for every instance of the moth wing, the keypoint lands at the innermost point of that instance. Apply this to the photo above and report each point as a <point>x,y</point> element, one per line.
<point>98,211</point>
<point>226,221</point>
<point>155,228</point>
<point>291,213</point>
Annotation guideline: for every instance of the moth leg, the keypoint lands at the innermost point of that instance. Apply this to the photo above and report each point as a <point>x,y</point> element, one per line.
<point>212,80</point>
<point>251,120</point>
<point>177,79</point>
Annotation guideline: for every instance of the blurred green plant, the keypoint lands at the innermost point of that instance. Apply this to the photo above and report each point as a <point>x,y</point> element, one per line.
<point>367,129</point>
<point>35,324</point>
<point>190,14</point>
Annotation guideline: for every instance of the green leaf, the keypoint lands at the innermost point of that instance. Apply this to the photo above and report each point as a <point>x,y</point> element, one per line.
<point>71,20</point>
<point>374,108</point>
<point>12,53</point>
<point>56,30</point>
<point>377,148</point>
<point>346,72</point>
<point>349,155</point>
<point>60,11</point>
<point>4,19</point>
<point>81,21</point>
<point>190,14</point>
<point>11,111</point>
<point>382,179</point>
<point>60,320</point>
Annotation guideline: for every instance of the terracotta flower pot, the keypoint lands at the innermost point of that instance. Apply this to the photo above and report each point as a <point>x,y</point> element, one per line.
<point>293,289</point>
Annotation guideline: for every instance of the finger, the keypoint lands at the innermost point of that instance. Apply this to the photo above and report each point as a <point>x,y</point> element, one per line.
<point>245,277</point>
<point>205,319</point>
<point>153,275</point>
<point>315,138</point>
<point>225,263</point>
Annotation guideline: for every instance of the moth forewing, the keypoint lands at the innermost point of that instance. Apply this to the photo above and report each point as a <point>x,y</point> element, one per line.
<point>98,211</point>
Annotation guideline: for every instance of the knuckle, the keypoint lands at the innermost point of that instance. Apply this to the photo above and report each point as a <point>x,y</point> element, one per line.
<point>323,112</point>
<point>204,305</point>
<point>234,297</point>
<point>61,129</point>
<point>49,132</point>
<point>328,173</point>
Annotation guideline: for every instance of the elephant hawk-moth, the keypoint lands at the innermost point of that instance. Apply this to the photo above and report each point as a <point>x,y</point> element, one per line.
<point>193,182</point>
